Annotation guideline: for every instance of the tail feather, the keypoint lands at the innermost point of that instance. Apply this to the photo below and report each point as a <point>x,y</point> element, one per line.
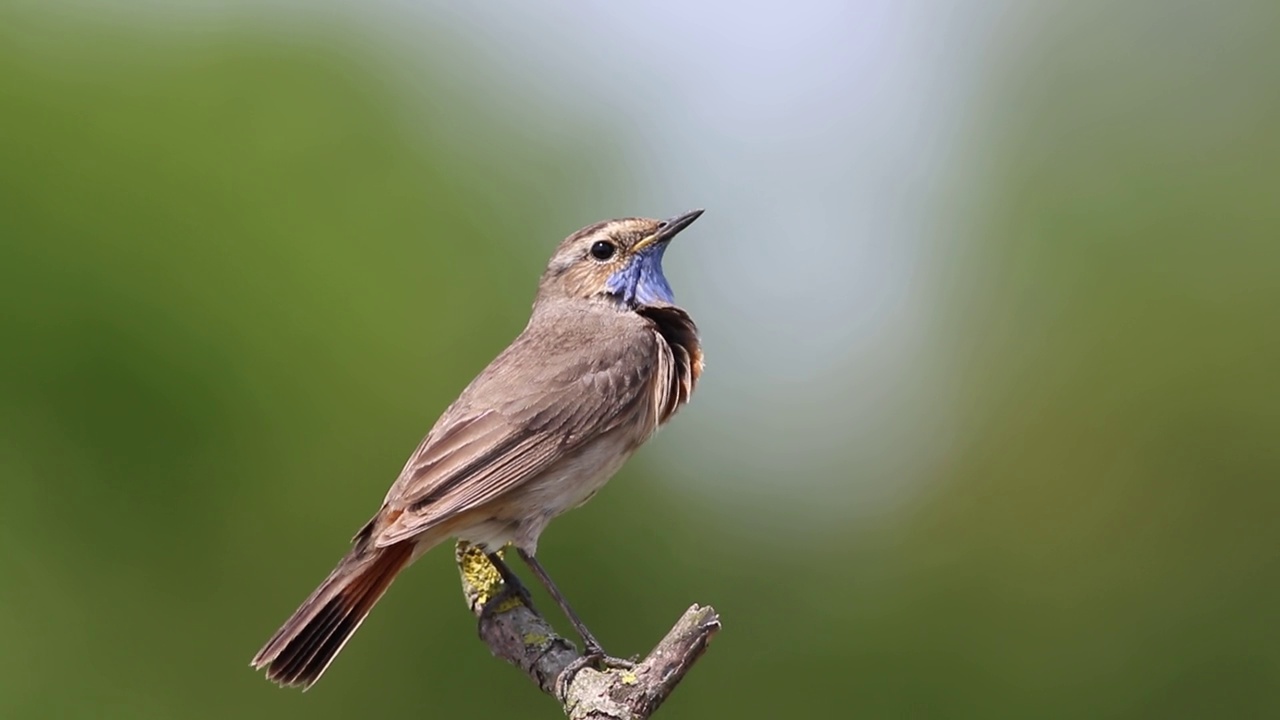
<point>301,650</point>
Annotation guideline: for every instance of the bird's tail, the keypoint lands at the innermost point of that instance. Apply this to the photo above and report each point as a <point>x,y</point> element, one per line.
<point>301,650</point>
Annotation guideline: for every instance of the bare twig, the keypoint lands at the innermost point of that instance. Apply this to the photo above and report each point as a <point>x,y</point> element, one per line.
<point>516,633</point>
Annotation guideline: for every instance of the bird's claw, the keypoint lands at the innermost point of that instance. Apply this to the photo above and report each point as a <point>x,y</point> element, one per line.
<point>595,658</point>
<point>499,603</point>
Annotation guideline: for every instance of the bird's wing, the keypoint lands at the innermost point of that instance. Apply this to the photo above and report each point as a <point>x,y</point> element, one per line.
<point>513,422</point>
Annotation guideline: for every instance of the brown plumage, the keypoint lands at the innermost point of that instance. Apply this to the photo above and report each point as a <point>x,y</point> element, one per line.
<point>605,359</point>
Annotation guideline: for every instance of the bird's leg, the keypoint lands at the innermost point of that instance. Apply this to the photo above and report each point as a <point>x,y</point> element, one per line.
<point>512,588</point>
<point>592,651</point>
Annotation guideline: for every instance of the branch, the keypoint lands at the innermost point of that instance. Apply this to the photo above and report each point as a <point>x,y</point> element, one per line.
<point>516,633</point>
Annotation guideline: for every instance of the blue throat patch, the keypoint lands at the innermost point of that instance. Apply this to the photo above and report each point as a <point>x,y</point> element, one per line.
<point>641,282</point>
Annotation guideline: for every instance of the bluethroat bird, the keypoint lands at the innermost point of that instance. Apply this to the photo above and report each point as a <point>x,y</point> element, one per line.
<point>606,359</point>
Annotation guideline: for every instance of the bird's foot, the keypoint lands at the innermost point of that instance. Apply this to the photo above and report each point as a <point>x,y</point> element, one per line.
<point>512,595</point>
<point>597,659</point>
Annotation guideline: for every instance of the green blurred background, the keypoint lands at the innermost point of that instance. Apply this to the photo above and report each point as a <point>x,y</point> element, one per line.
<point>990,297</point>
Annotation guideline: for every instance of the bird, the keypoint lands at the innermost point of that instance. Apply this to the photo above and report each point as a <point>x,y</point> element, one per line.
<point>606,358</point>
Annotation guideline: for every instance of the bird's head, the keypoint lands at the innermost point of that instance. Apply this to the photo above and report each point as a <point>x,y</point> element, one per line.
<point>616,260</point>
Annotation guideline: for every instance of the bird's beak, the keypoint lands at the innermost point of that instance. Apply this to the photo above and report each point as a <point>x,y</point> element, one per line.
<point>668,229</point>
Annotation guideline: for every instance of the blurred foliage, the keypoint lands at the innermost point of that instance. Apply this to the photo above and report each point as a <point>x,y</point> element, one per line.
<point>241,276</point>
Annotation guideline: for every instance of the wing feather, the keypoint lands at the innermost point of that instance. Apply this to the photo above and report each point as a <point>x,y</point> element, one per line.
<point>513,423</point>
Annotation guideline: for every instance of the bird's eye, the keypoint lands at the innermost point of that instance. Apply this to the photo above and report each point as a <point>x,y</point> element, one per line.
<point>602,249</point>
